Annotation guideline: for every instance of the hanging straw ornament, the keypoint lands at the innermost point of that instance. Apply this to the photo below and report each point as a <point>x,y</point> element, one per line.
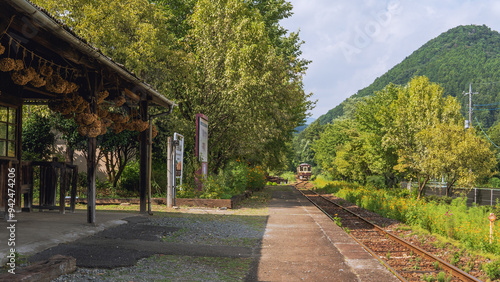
<point>2,49</point>
<point>119,101</point>
<point>7,64</point>
<point>83,130</point>
<point>19,65</point>
<point>46,71</point>
<point>154,132</point>
<point>94,129</point>
<point>102,96</point>
<point>55,83</point>
<point>38,81</point>
<point>118,127</point>
<point>71,87</point>
<point>86,118</point>
<point>23,76</point>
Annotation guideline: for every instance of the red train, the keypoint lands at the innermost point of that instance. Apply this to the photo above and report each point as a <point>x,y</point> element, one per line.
<point>304,171</point>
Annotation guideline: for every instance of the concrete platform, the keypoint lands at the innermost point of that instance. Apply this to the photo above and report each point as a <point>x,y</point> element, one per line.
<point>301,243</point>
<point>37,231</point>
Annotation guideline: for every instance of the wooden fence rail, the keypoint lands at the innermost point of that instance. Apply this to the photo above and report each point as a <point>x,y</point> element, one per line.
<point>52,176</point>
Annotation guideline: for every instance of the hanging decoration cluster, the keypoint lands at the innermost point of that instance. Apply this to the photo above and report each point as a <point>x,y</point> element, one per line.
<point>70,104</point>
<point>93,125</point>
<point>23,73</point>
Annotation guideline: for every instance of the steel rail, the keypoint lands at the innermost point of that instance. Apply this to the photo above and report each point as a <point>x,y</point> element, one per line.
<point>450,268</point>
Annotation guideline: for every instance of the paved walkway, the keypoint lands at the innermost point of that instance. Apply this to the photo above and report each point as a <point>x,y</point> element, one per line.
<point>301,243</point>
<point>37,231</point>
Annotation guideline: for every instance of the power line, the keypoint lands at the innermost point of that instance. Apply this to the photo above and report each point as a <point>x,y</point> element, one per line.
<point>485,133</point>
<point>484,105</point>
<point>494,109</point>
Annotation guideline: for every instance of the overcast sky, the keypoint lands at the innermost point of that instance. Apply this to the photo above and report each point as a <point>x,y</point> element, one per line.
<point>352,42</point>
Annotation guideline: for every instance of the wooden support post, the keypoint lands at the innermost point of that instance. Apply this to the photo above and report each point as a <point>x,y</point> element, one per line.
<point>73,188</point>
<point>32,186</point>
<point>62,189</point>
<point>93,80</point>
<point>91,162</point>
<point>144,159</point>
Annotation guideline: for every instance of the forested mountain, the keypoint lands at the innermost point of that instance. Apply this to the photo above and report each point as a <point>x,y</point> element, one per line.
<point>308,120</point>
<point>462,55</point>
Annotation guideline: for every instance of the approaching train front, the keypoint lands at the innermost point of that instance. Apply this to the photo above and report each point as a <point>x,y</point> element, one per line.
<point>304,172</point>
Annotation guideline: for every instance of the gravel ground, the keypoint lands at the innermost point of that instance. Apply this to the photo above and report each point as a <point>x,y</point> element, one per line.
<point>207,228</point>
<point>168,268</point>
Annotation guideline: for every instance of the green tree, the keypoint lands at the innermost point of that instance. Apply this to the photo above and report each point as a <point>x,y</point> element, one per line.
<point>330,141</point>
<point>117,150</point>
<point>371,116</point>
<point>351,160</point>
<point>38,139</point>
<point>67,128</point>
<point>132,32</point>
<point>253,98</point>
<point>420,105</point>
<point>458,154</point>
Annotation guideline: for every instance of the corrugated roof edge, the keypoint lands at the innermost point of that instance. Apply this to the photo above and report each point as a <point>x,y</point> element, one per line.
<point>81,44</point>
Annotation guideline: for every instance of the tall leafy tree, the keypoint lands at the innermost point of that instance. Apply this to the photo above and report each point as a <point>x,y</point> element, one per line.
<point>420,105</point>
<point>457,154</point>
<point>332,140</point>
<point>371,116</point>
<point>252,97</point>
<point>132,32</point>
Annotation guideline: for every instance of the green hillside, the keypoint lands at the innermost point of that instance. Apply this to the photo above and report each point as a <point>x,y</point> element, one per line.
<point>462,55</point>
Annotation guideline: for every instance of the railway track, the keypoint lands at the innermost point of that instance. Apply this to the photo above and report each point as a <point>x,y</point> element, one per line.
<point>407,261</point>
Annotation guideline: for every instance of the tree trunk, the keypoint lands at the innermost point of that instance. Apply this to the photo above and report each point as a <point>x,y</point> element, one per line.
<point>449,186</point>
<point>70,153</point>
<point>421,186</point>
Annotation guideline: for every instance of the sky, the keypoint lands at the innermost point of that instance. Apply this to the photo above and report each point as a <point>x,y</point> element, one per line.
<point>352,42</point>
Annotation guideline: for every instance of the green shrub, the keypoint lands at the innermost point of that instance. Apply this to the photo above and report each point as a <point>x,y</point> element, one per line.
<point>129,180</point>
<point>377,181</point>
<point>234,179</point>
<point>492,269</point>
<point>288,176</point>
<point>494,182</point>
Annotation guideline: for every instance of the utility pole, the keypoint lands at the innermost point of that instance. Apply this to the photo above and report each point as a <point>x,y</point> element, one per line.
<point>469,125</point>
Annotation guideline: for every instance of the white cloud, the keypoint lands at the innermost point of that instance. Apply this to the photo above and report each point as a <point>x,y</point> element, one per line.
<point>378,34</point>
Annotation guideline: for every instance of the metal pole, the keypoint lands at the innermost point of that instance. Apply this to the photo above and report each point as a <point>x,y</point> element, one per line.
<point>169,172</point>
<point>470,105</point>
<point>150,156</point>
<point>174,180</point>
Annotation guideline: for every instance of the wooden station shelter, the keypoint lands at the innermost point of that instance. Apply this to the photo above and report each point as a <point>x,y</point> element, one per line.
<point>43,62</point>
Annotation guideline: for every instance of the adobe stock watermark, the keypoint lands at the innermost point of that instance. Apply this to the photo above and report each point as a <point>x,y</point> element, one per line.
<point>11,203</point>
<point>365,34</point>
